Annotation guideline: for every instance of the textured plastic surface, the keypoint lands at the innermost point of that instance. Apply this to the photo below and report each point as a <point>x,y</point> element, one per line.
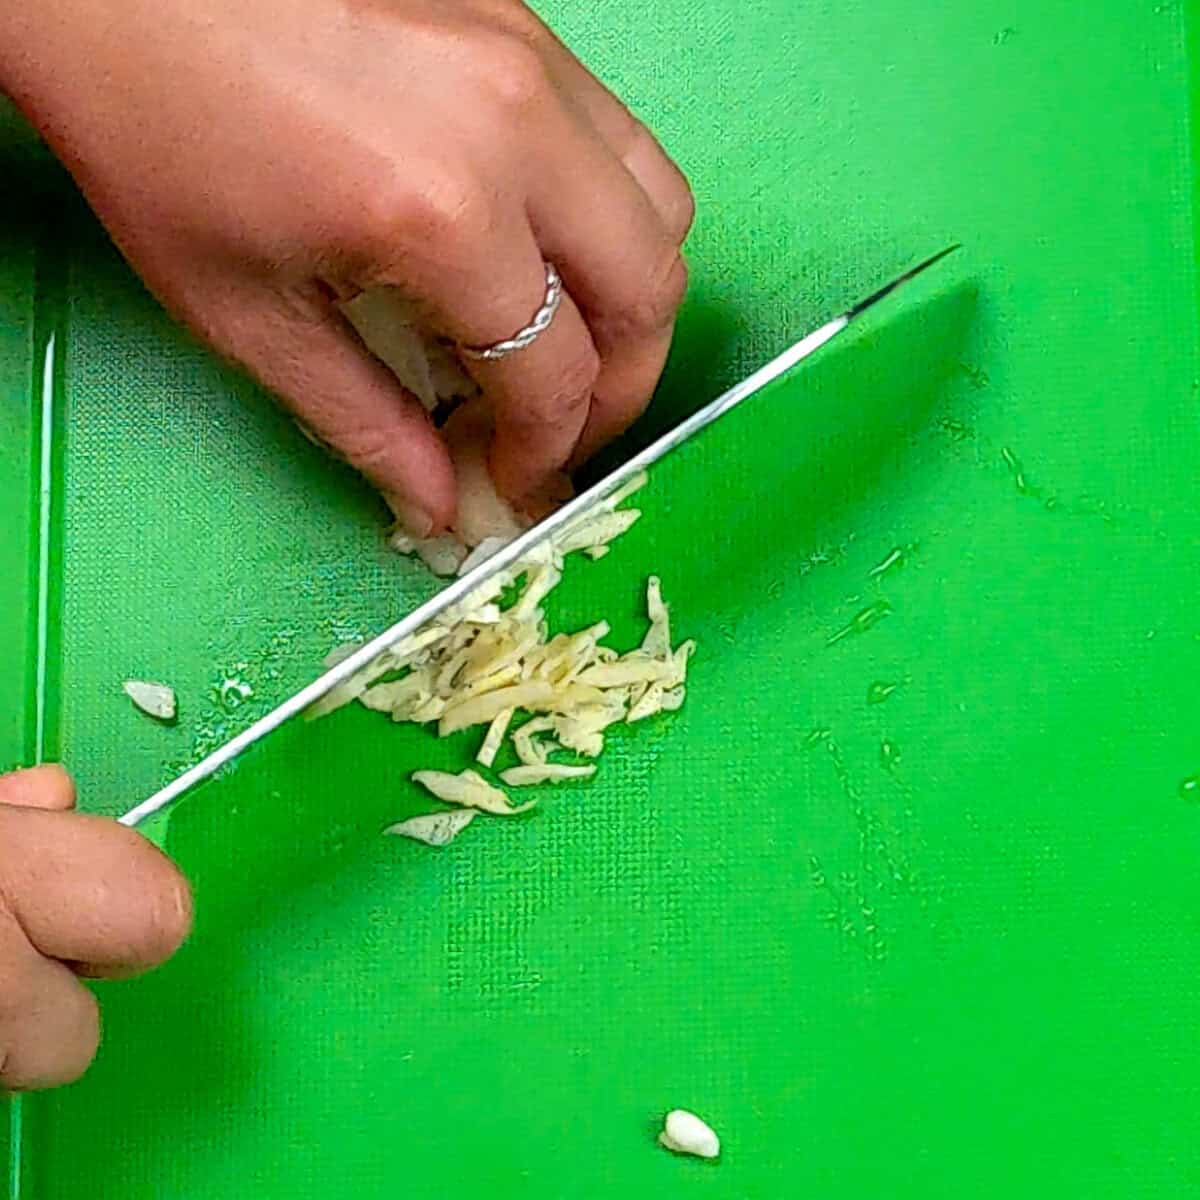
<point>948,947</point>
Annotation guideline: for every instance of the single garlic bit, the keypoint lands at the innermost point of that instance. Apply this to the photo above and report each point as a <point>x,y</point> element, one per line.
<point>434,829</point>
<point>546,773</point>
<point>685,1133</point>
<point>470,790</point>
<point>494,738</point>
<point>154,699</point>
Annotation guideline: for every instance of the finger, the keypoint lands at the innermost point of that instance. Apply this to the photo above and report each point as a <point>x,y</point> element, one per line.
<point>649,164</point>
<point>624,270</point>
<point>48,786</point>
<point>90,892</point>
<point>623,392</point>
<point>541,397</point>
<point>484,282</point>
<point>305,352</point>
<point>638,150</point>
<point>628,138</point>
<point>49,1022</point>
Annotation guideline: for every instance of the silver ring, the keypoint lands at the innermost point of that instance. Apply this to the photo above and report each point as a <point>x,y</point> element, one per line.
<point>531,332</point>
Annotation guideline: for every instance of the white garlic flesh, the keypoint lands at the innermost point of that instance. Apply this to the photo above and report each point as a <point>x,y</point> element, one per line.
<point>154,699</point>
<point>685,1133</point>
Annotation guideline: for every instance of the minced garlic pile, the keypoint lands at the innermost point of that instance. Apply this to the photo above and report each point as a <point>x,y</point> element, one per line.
<point>484,664</point>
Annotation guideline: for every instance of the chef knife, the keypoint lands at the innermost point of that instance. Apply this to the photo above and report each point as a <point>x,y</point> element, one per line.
<point>516,550</point>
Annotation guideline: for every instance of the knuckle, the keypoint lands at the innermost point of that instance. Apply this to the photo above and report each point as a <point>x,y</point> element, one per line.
<point>624,407</point>
<point>369,449</point>
<point>654,307</point>
<point>683,211</point>
<point>675,286</point>
<point>378,214</point>
<point>519,20</point>
<point>566,393</point>
<point>677,204</point>
<point>580,374</point>
<point>445,211</point>
<point>514,73</point>
<point>449,211</point>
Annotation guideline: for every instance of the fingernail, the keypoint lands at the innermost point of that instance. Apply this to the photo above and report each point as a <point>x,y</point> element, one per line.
<point>416,521</point>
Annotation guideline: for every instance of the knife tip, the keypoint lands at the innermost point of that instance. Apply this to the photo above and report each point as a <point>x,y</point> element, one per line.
<point>901,280</point>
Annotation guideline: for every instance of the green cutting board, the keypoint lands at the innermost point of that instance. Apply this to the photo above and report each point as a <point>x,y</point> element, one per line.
<point>938,943</point>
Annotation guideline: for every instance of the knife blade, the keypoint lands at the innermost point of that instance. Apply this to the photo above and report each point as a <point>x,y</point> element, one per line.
<point>517,549</point>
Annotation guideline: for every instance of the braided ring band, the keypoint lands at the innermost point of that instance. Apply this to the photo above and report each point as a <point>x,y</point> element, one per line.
<point>531,332</point>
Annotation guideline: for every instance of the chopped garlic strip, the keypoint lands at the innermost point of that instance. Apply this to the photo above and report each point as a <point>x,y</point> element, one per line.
<point>571,697</point>
<point>526,776</point>
<point>402,695</point>
<point>530,751</point>
<point>339,654</point>
<point>582,731</point>
<point>469,789</point>
<point>482,553</point>
<point>338,697</point>
<point>626,490</point>
<point>679,663</point>
<point>651,703</point>
<point>409,649</point>
<point>495,737</point>
<point>434,829</point>
<point>500,649</point>
<point>450,671</point>
<point>657,642</point>
<point>581,649</point>
<point>482,709</point>
<point>489,683</point>
<point>543,580</point>
<point>156,700</point>
<point>442,555</point>
<point>572,736</point>
<point>429,709</point>
<point>592,530</point>
<point>489,614</point>
<point>550,660</point>
<point>632,668</point>
<point>472,602</point>
<point>353,688</point>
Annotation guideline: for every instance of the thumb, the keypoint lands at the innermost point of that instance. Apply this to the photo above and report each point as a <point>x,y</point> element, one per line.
<point>48,787</point>
<point>314,362</point>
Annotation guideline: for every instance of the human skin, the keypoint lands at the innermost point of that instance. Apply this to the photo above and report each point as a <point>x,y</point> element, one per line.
<point>80,897</point>
<point>258,162</point>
